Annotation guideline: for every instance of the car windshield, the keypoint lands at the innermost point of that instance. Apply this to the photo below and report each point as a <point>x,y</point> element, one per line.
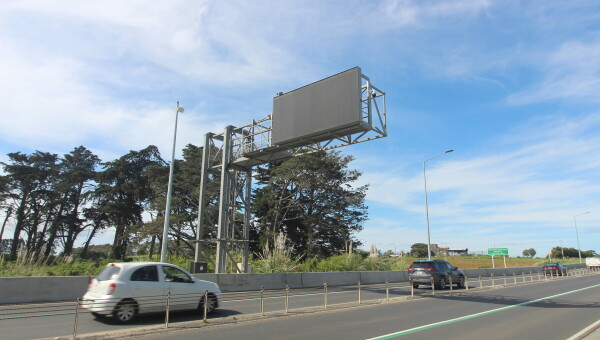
<point>422,265</point>
<point>108,273</point>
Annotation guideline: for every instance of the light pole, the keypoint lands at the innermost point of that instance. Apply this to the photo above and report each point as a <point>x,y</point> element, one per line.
<point>427,204</point>
<point>577,233</point>
<point>163,253</point>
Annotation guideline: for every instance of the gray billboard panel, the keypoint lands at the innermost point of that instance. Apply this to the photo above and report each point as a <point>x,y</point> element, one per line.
<point>320,111</point>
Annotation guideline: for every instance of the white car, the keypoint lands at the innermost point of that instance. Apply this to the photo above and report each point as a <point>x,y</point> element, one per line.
<point>125,290</point>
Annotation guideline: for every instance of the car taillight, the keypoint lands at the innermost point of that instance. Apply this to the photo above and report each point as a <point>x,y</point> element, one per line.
<point>90,284</point>
<point>111,288</point>
<point>411,268</point>
<point>431,269</point>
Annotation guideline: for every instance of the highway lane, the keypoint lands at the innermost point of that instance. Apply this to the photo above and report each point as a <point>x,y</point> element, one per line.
<point>235,305</point>
<point>553,309</point>
<point>57,319</point>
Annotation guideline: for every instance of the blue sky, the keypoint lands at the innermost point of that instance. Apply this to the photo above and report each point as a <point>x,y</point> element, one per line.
<point>512,86</point>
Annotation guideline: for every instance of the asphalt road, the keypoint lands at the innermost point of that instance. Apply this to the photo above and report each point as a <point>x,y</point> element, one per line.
<point>547,310</point>
<point>365,321</point>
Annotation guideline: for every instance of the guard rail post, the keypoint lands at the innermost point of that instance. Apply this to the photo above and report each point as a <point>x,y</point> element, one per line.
<point>493,281</point>
<point>167,310</point>
<point>450,279</point>
<point>359,301</point>
<point>515,278</point>
<point>531,275</point>
<point>325,294</point>
<point>412,289</point>
<point>387,291</point>
<point>432,286</point>
<point>505,279</point>
<point>523,276</point>
<point>287,298</point>
<point>205,306</point>
<point>480,283</point>
<point>466,282</point>
<point>262,301</point>
<point>75,325</point>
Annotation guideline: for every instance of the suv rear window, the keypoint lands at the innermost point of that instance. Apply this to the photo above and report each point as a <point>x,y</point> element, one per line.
<point>108,273</point>
<point>422,265</point>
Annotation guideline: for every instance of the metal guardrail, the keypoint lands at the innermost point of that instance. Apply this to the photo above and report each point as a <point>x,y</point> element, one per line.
<point>171,301</point>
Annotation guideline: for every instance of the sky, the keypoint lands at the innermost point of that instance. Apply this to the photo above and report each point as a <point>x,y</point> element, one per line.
<point>512,86</point>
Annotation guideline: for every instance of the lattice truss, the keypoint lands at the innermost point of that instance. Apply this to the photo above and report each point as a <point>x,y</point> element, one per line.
<point>224,219</point>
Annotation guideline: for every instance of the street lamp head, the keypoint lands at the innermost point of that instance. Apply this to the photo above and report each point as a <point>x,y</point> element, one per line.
<point>180,109</point>
<point>448,151</point>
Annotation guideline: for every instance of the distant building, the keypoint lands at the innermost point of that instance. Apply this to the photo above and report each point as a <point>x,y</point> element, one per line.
<point>439,251</point>
<point>458,252</point>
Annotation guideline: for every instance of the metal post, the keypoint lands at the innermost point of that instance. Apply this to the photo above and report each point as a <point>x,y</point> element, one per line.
<point>167,310</point>
<point>504,279</point>
<point>205,306</point>
<point>262,301</point>
<point>359,292</point>
<point>515,278</point>
<point>287,297</point>
<point>552,274</point>
<point>480,283</point>
<point>224,203</point>
<point>493,283</point>
<point>412,289</point>
<point>387,291</point>
<point>76,324</point>
<point>427,205</point>
<point>165,239</point>
<point>325,292</point>
<point>531,274</point>
<point>432,287</point>
<point>466,282</point>
<point>450,279</point>
<point>202,208</point>
<point>523,275</point>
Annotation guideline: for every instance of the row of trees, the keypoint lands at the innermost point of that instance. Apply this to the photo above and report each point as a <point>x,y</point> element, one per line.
<point>50,201</point>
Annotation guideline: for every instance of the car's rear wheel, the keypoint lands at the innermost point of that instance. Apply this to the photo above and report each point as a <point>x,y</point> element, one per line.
<point>442,284</point>
<point>125,311</point>
<point>98,315</point>
<point>212,304</point>
<point>415,285</point>
<point>461,282</point>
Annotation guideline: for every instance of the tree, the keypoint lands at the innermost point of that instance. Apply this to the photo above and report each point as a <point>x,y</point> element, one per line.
<point>123,191</point>
<point>529,252</point>
<point>29,178</point>
<point>77,170</point>
<point>311,199</point>
<point>418,250</point>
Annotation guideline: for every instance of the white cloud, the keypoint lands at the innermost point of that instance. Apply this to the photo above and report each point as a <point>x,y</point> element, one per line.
<point>571,72</point>
<point>544,180</point>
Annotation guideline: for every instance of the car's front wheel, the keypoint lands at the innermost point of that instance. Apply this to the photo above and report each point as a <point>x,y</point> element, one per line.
<point>125,311</point>
<point>461,282</point>
<point>211,306</point>
<point>442,284</point>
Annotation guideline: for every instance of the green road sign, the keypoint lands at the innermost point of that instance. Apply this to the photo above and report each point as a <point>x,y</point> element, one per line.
<point>497,251</point>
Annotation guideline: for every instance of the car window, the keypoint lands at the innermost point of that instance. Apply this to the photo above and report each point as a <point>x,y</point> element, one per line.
<point>443,266</point>
<point>108,273</point>
<point>147,273</point>
<point>172,274</point>
<point>422,265</point>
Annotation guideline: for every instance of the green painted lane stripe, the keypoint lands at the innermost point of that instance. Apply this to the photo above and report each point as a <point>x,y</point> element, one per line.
<point>467,317</point>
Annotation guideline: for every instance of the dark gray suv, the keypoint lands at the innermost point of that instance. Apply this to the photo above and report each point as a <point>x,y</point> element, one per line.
<point>421,272</point>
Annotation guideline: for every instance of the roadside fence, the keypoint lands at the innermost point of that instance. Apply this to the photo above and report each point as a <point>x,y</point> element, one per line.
<point>278,300</point>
